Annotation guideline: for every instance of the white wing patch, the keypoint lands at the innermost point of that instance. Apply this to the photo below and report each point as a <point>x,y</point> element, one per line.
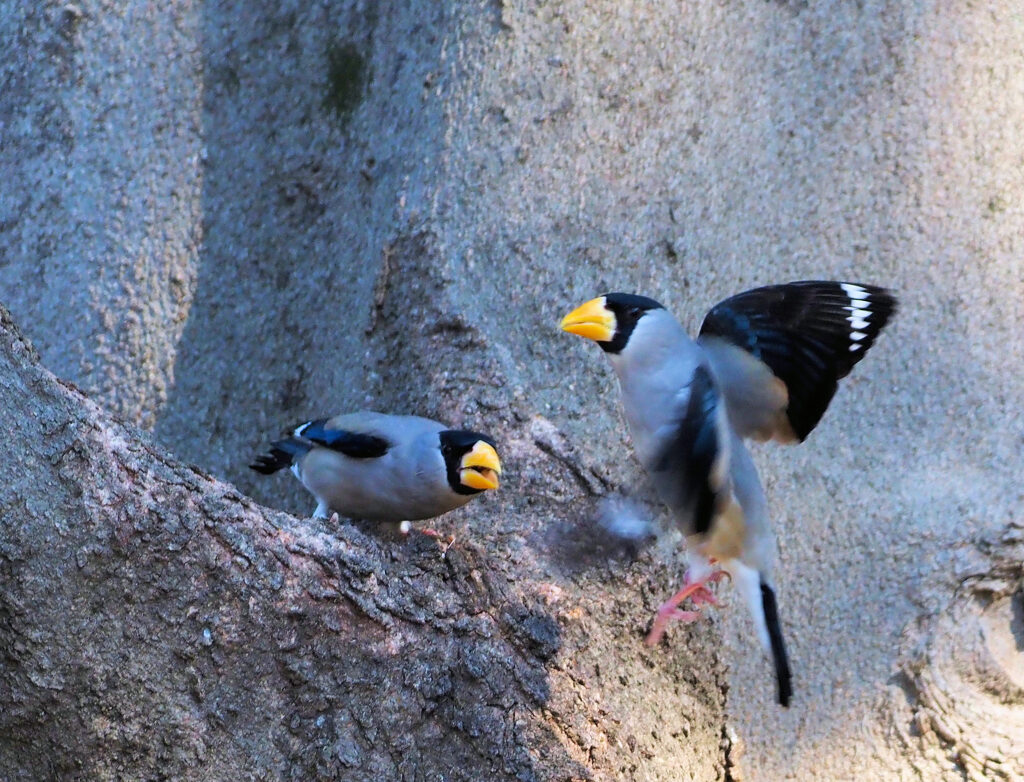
<point>855,292</point>
<point>860,311</point>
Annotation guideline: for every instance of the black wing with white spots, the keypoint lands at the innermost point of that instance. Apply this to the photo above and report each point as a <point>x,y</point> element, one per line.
<point>810,334</point>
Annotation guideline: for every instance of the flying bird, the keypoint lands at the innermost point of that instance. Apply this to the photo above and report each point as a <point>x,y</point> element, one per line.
<point>765,366</point>
<point>380,467</point>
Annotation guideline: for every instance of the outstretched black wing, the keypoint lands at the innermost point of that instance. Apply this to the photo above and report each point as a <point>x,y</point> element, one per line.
<point>810,334</point>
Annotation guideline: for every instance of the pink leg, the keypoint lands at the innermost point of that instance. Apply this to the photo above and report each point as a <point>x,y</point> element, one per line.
<point>701,593</point>
<point>697,591</point>
<point>433,533</point>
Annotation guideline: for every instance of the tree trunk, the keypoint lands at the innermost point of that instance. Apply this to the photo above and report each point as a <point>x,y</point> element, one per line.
<point>222,218</point>
<point>158,624</point>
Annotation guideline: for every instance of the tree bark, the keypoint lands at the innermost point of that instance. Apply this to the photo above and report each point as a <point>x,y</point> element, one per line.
<point>154,623</point>
<point>220,218</point>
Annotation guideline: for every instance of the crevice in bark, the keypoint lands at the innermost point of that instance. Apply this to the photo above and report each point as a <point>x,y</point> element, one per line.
<point>962,671</point>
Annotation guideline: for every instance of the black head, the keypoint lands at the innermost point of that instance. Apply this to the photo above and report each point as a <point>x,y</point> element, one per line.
<point>471,461</point>
<point>609,320</point>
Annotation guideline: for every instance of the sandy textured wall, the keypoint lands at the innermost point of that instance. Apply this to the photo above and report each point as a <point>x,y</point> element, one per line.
<point>691,150</point>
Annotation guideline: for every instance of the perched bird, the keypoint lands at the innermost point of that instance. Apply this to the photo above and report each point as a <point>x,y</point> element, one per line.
<point>385,467</point>
<point>765,366</point>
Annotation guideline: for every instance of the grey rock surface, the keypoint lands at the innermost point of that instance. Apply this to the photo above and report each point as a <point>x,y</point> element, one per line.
<point>223,218</point>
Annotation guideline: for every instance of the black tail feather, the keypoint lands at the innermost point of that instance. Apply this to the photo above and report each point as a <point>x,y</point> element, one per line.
<point>771,618</point>
<point>282,454</point>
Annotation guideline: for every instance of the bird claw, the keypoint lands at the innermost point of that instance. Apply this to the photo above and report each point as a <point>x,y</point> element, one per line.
<point>433,533</point>
<point>668,612</point>
<point>446,546</point>
<point>697,592</point>
<point>712,577</point>
<point>703,595</point>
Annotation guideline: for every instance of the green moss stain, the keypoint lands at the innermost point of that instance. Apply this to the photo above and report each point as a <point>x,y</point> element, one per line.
<point>346,79</point>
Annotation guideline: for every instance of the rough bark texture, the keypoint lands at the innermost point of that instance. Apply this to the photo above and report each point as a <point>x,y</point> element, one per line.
<point>158,624</point>
<point>221,218</point>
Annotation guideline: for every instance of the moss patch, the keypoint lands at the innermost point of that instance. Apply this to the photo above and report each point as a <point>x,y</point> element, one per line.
<point>346,79</point>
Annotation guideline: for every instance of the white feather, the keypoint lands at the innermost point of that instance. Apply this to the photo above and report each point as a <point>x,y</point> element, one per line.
<point>855,292</point>
<point>625,519</point>
<point>748,582</point>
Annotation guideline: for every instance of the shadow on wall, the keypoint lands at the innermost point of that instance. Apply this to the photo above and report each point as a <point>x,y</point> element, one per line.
<point>312,121</point>
<point>297,194</point>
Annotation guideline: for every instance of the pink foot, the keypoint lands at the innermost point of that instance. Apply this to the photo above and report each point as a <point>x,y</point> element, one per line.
<point>433,533</point>
<point>669,611</point>
<point>703,595</point>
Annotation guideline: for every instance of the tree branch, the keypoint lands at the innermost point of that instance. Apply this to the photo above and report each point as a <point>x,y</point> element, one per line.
<point>156,623</point>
